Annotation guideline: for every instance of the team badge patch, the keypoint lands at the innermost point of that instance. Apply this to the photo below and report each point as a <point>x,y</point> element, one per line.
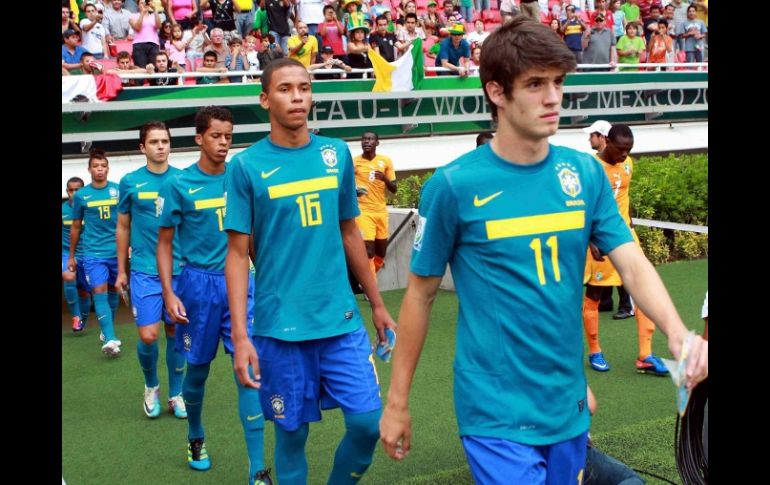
<point>159,206</point>
<point>187,339</point>
<point>419,234</point>
<point>627,168</point>
<point>569,179</point>
<point>329,155</point>
<point>113,192</point>
<point>276,401</point>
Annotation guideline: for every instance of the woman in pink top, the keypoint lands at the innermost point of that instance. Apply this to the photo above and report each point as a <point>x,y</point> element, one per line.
<point>331,32</point>
<point>181,11</point>
<point>146,24</point>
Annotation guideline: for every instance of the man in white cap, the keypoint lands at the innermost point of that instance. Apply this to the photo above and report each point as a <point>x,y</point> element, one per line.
<point>597,134</point>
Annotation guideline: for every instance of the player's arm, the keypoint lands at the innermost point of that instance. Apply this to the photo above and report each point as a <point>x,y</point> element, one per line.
<point>123,235</point>
<point>237,277</point>
<point>355,252</point>
<point>77,224</point>
<point>395,425</point>
<point>645,286</point>
<point>390,184</point>
<point>165,256</point>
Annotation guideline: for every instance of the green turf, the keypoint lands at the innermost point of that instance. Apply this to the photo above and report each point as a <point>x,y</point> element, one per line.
<point>106,437</point>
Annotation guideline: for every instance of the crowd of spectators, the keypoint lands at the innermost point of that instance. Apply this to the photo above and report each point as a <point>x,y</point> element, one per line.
<point>333,37</point>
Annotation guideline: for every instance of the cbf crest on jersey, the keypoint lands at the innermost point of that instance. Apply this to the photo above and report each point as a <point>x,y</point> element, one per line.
<point>113,192</point>
<point>329,155</point>
<point>569,179</point>
<point>159,206</point>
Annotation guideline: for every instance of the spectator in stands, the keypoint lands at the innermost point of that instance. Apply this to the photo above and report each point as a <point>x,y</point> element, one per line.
<point>303,47</point>
<point>177,46</point>
<point>160,66</point>
<point>244,16</point>
<point>146,42</point>
<point>599,45</point>
<point>572,29</point>
<point>312,13</point>
<point>195,42</point>
<point>116,22</point>
<point>466,10</point>
<point>125,67</point>
<point>475,60</point>
<point>182,12</point>
<point>556,27</point>
<point>358,50</point>
<point>408,35</point>
<point>236,60</point>
<point>71,52</point>
<point>448,16</point>
<point>507,10</point>
<point>481,6</point>
<point>618,19</point>
<point>278,21</point>
<point>377,9</point>
<point>331,31</point>
<point>633,14</point>
<point>660,48</point>
<point>477,37</point>
<point>530,8</point>
<point>94,34</point>
<point>252,54</point>
<point>223,12</point>
<point>651,23</point>
<point>645,9</point>
<point>88,65</point>
<point>164,33</point>
<point>67,22</point>
<point>329,62</point>
<point>680,11</point>
<point>216,43</point>
<point>629,47</point>
<point>269,51</point>
<point>431,15</point>
<point>455,53</point>
<point>210,62</point>
<point>693,33</point>
<point>601,8</point>
<point>382,41</point>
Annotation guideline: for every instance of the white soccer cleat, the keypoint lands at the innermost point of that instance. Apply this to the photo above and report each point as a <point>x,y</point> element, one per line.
<point>111,348</point>
<point>151,401</point>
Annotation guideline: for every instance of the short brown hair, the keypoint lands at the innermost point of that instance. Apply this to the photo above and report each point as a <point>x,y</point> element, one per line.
<point>516,47</point>
<point>152,125</point>
<point>97,154</point>
<point>267,73</point>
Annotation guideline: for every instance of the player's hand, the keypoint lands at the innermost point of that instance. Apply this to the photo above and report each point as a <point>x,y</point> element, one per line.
<point>72,265</point>
<point>595,253</point>
<point>396,432</point>
<point>121,281</point>
<point>379,175</point>
<point>697,358</point>
<point>382,320</point>
<point>175,308</point>
<point>245,355</point>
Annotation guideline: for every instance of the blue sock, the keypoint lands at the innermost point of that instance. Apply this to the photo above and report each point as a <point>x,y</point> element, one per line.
<point>253,421</point>
<point>114,299</point>
<point>104,315</point>
<point>71,296</point>
<point>193,387</point>
<point>290,459</point>
<point>85,308</point>
<point>175,365</point>
<point>354,454</point>
<point>148,361</point>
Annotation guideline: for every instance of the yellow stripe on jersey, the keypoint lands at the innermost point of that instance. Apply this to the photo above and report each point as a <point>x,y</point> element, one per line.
<point>67,223</point>
<point>209,203</point>
<point>148,195</point>
<point>302,187</point>
<point>100,203</point>
<point>526,226</point>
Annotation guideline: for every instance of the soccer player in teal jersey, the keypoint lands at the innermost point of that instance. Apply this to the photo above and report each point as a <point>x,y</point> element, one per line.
<point>296,193</point>
<point>95,207</point>
<point>138,227</point>
<point>76,290</point>
<point>513,219</point>
<point>192,203</point>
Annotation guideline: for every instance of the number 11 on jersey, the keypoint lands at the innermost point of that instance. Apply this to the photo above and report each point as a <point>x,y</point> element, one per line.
<point>536,246</point>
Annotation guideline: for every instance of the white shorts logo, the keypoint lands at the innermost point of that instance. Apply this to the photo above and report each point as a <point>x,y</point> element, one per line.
<point>419,234</point>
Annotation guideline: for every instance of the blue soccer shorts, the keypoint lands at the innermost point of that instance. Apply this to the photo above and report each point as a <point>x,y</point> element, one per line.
<point>100,270</point>
<point>496,461</point>
<point>80,272</point>
<point>298,379</point>
<point>204,295</point>
<point>147,298</point>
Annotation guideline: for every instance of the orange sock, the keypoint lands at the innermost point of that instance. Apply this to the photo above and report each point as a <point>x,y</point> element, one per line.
<point>373,267</point>
<point>644,329</point>
<point>379,262</point>
<point>591,324</point>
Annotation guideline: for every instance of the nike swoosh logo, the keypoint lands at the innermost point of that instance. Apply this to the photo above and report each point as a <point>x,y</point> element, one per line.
<point>252,418</point>
<point>271,172</point>
<point>86,197</point>
<point>139,186</point>
<point>191,191</point>
<point>356,475</point>
<point>480,202</point>
<point>99,318</point>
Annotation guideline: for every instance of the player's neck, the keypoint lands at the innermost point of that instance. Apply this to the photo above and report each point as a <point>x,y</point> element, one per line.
<point>513,148</point>
<point>157,168</point>
<point>369,155</point>
<point>603,158</point>
<point>99,185</point>
<point>288,138</point>
<point>210,167</point>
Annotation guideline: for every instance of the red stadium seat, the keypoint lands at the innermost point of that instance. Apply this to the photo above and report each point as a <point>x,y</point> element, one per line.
<point>492,16</point>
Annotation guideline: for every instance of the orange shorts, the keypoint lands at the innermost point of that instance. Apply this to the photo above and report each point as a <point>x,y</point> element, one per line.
<point>373,225</point>
<point>603,273</point>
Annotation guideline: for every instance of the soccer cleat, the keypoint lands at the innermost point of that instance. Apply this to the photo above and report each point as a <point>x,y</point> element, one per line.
<point>597,362</point>
<point>151,402</point>
<point>77,324</point>
<point>622,314</point>
<point>176,407</point>
<point>262,477</point>
<point>102,337</point>
<point>651,365</point>
<point>197,456</point>
<point>111,348</point>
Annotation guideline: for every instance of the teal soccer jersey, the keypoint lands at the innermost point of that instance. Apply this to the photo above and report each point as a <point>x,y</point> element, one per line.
<point>97,209</point>
<point>66,227</point>
<point>196,200</point>
<point>515,237</point>
<point>294,199</point>
<point>138,198</point>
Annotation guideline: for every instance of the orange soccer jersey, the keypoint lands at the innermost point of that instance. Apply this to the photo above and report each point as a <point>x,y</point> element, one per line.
<point>374,200</point>
<point>602,273</point>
